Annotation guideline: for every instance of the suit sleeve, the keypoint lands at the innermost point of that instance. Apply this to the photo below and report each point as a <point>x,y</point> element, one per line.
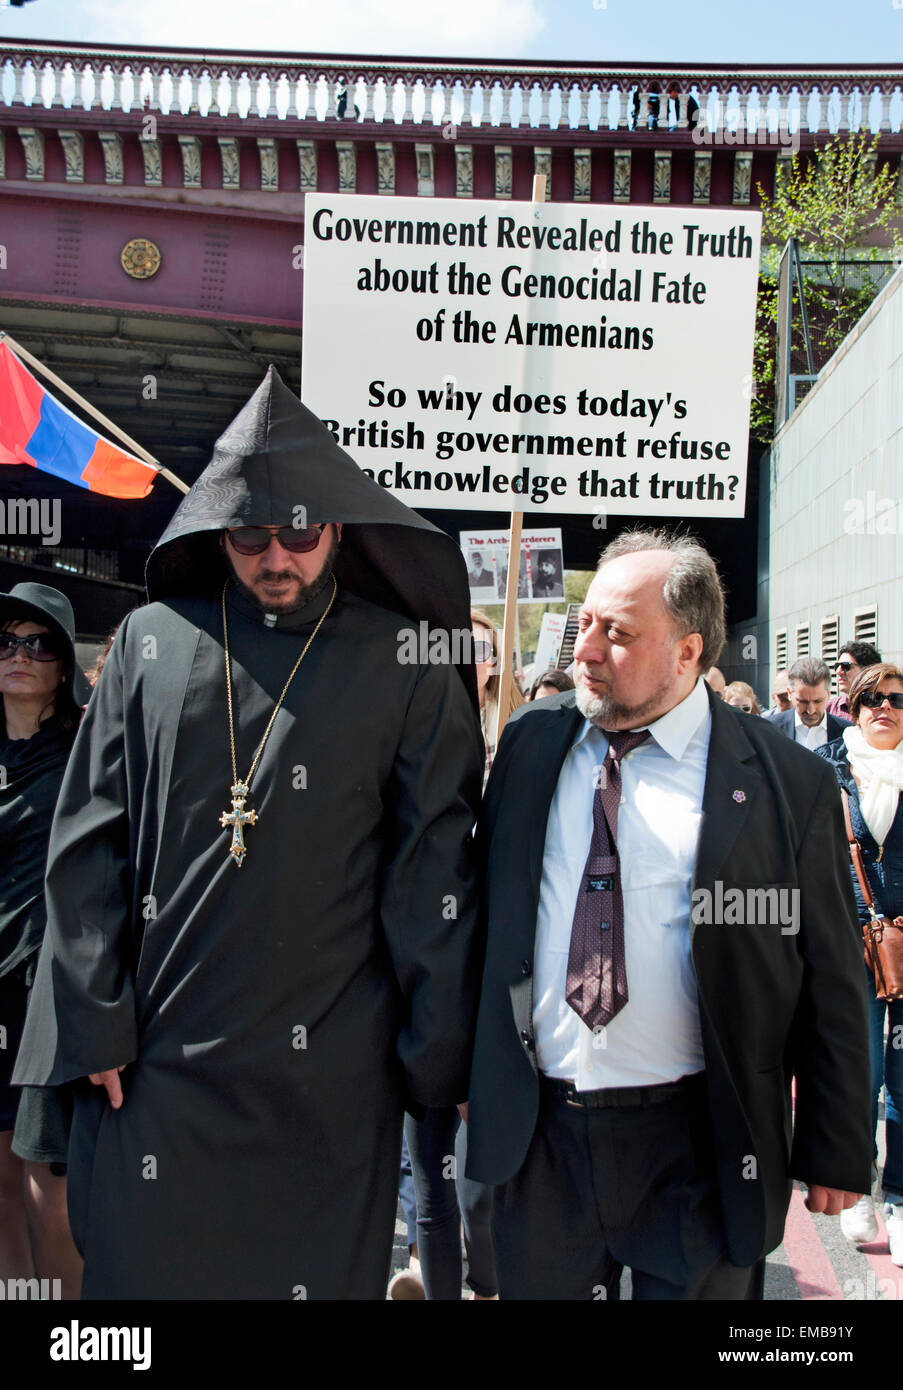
<point>81,1015</point>
<point>832,1143</point>
<point>429,899</point>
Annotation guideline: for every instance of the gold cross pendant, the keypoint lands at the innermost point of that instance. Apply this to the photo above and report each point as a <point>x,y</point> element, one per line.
<point>238,818</point>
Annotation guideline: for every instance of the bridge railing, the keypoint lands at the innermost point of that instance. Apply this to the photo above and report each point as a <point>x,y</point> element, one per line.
<point>413,93</point>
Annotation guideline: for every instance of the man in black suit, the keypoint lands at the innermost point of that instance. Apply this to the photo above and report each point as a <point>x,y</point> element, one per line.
<point>652,988</point>
<point>807,721</point>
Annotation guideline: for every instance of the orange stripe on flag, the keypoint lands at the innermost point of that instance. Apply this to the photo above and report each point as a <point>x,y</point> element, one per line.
<point>116,473</point>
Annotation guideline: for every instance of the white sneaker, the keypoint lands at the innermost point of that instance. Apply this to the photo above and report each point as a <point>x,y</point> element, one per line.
<point>859,1223</point>
<point>893,1220</point>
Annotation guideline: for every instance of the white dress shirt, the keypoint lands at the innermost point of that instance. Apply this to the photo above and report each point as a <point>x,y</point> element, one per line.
<point>810,738</point>
<point>656,1036</point>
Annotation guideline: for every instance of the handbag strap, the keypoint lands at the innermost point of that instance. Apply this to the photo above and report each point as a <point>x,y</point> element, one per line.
<point>856,856</point>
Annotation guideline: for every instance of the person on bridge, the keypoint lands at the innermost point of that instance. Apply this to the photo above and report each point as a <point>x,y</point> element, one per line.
<point>259,990</point>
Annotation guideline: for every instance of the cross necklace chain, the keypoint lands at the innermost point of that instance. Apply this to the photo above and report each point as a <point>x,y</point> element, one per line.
<point>238,817</point>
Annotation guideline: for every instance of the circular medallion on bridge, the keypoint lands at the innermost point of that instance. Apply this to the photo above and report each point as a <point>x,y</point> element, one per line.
<point>140,258</point>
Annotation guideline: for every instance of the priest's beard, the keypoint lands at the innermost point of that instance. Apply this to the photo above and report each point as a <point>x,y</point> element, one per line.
<point>299,596</point>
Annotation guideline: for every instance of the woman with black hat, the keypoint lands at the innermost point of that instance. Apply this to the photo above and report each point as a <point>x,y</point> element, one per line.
<point>42,692</point>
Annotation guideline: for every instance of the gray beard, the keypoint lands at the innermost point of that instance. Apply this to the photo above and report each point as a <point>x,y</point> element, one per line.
<point>605,712</point>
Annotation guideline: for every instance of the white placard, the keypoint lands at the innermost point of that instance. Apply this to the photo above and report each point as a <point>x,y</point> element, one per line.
<point>541,575</point>
<point>551,631</point>
<point>561,357</point>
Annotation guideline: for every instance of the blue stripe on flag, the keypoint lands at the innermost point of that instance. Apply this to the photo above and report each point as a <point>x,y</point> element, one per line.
<point>61,444</point>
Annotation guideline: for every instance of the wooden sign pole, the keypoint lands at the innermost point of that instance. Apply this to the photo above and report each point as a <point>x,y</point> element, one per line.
<point>517,519</point>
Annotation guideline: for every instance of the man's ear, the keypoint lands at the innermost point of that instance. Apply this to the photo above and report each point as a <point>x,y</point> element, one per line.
<point>338,530</point>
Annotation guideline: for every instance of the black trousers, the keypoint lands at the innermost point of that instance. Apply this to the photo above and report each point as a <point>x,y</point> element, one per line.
<point>630,1186</point>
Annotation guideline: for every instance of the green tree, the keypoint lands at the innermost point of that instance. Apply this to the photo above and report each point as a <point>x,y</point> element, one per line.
<point>837,204</point>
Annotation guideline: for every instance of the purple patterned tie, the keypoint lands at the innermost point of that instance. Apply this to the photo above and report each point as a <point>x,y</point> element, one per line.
<point>597,972</point>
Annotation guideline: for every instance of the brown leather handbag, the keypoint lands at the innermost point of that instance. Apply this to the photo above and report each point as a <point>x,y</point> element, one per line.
<point>882,937</point>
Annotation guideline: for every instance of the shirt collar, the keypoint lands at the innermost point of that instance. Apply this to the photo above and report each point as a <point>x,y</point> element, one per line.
<point>674,730</point>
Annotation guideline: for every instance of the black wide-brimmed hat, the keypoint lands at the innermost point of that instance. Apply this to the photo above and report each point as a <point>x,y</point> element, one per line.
<point>42,604</point>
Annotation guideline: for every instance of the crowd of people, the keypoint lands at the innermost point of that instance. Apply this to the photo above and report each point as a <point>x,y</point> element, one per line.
<point>224,1018</point>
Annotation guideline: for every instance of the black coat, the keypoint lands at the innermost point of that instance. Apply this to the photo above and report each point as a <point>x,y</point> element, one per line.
<point>785,721</point>
<point>32,772</point>
<point>773,1006</point>
<point>276,1018</point>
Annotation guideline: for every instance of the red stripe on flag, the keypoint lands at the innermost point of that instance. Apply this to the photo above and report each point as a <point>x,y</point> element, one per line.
<point>808,1259</point>
<point>117,474</point>
<point>20,408</point>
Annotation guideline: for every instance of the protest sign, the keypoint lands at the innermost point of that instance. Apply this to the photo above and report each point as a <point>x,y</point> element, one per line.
<point>550,357</point>
<point>551,631</point>
<point>541,574</point>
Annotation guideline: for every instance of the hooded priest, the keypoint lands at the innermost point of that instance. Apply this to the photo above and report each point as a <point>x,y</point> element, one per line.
<point>261,916</point>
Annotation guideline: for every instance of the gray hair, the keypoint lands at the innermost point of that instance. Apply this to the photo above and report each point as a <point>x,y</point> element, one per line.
<point>693,592</point>
<point>810,670</point>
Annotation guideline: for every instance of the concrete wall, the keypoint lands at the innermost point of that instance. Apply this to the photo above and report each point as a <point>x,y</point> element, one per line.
<point>835,493</point>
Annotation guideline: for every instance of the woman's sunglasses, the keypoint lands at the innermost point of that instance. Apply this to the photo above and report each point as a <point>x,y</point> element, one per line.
<point>40,646</point>
<point>874,699</point>
<point>253,540</point>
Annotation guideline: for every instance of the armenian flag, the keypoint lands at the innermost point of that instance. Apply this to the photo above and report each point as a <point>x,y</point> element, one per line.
<point>36,430</point>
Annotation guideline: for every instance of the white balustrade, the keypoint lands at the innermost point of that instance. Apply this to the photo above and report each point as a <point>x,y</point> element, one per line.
<point>813,99</point>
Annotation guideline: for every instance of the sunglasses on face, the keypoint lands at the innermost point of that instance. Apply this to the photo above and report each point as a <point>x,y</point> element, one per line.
<point>253,540</point>
<point>482,650</point>
<point>747,708</point>
<point>847,666</point>
<point>40,646</point>
<point>874,699</point>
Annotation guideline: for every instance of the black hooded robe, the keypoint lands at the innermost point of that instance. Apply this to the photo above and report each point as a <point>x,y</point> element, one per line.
<point>278,1017</point>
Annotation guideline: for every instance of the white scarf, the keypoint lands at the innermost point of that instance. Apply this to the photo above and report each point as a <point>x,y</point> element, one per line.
<point>880,773</point>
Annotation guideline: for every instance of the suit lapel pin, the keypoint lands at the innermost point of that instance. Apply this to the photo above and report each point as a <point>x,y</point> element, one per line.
<point>739,796</point>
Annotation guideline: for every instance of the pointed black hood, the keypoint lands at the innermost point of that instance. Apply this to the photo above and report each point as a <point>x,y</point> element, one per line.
<point>276,456</point>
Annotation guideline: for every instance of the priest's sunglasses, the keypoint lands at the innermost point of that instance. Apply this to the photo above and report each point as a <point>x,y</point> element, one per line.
<point>253,540</point>
<point>874,699</point>
<point>40,646</point>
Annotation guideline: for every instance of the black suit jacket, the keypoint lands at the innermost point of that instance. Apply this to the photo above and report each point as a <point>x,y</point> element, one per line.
<point>774,1004</point>
<point>785,721</point>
